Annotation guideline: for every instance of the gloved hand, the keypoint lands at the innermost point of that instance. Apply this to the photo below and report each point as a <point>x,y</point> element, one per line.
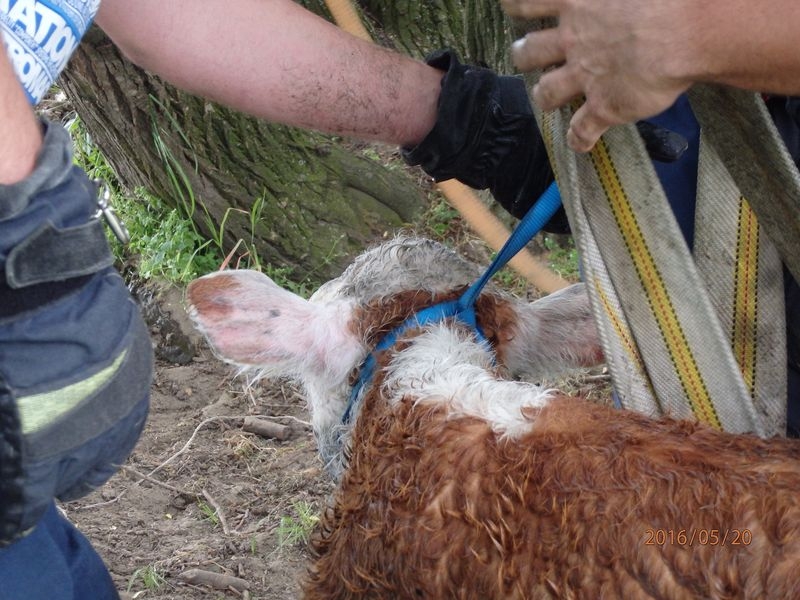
<point>486,137</point>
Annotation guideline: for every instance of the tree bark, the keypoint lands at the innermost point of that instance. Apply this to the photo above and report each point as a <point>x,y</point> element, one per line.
<point>299,199</point>
<point>477,29</point>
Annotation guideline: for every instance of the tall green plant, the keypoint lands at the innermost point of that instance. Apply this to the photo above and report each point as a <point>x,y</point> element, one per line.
<point>165,242</point>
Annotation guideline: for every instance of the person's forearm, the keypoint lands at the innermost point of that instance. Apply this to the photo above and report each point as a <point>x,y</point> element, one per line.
<point>21,136</point>
<point>274,59</point>
<point>746,44</point>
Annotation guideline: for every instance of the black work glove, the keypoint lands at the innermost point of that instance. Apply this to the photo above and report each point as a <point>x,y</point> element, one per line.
<point>486,136</point>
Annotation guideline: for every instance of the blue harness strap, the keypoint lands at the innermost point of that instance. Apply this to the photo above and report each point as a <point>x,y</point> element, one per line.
<point>462,308</point>
<point>531,224</point>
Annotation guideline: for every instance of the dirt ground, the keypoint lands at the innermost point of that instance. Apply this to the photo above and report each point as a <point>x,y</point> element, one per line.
<point>221,500</point>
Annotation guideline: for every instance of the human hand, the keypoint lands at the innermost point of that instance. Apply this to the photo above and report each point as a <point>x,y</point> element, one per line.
<point>485,135</point>
<point>617,53</point>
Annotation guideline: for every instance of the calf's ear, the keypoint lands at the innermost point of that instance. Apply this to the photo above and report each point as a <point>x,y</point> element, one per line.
<point>555,334</point>
<point>251,321</point>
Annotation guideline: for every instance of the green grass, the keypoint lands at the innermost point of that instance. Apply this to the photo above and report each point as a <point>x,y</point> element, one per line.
<point>150,578</point>
<point>167,244</point>
<point>165,241</point>
<point>563,259</point>
<point>441,219</point>
<point>297,528</point>
<point>208,512</point>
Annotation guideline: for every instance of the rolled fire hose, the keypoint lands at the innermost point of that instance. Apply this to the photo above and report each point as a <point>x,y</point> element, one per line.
<point>692,336</point>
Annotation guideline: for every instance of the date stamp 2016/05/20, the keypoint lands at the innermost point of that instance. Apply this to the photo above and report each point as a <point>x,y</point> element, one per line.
<point>698,537</point>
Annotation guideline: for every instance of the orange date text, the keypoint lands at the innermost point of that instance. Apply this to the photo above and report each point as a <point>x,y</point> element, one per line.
<point>698,537</point>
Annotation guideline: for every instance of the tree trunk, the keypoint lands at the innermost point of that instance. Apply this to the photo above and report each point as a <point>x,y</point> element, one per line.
<point>477,29</point>
<point>296,198</point>
<point>299,199</point>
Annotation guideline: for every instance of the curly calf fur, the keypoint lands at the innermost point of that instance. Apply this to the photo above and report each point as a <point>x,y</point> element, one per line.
<point>438,508</point>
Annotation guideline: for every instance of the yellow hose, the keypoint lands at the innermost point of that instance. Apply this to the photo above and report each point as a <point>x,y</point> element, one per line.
<point>475,213</point>
<point>346,17</point>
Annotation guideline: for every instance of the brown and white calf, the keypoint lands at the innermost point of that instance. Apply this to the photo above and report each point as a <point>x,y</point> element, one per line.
<point>459,481</point>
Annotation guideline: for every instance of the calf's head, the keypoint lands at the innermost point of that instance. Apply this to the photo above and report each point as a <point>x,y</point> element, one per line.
<point>252,322</point>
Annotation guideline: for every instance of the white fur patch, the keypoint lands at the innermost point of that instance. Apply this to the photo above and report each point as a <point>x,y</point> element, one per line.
<point>447,366</point>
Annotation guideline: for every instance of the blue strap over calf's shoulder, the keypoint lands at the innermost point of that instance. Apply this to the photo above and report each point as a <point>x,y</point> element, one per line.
<point>463,308</point>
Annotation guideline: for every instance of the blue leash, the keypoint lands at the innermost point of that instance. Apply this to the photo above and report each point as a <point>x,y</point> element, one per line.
<point>463,308</point>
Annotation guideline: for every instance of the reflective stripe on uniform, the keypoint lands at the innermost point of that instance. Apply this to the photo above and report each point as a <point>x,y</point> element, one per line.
<point>39,411</point>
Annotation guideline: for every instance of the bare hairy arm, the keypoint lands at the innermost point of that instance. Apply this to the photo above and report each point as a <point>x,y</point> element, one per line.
<point>751,45</point>
<point>276,60</point>
<point>21,134</point>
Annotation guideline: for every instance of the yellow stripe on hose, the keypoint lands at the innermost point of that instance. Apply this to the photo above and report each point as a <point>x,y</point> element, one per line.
<point>744,334</point>
<point>661,306</point>
<point>617,322</point>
